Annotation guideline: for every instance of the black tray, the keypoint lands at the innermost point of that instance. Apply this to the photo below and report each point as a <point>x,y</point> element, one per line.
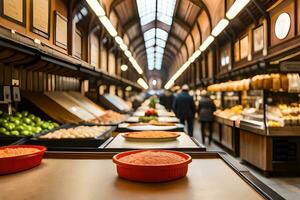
<point>71,144</point>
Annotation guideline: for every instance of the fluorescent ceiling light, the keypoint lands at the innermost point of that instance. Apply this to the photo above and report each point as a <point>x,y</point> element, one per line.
<point>142,83</point>
<point>196,54</point>
<point>169,85</point>
<point>124,68</point>
<point>191,59</point>
<point>236,7</point>
<point>154,82</point>
<point>119,40</point>
<point>136,65</point>
<point>222,24</point>
<point>108,26</point>
<point>123,47</point>
<point>128,54</point>
<point>96,7</point>
<point>206,43</point>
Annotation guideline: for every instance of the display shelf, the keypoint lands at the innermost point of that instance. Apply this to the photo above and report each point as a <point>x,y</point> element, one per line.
<point>39,55</point>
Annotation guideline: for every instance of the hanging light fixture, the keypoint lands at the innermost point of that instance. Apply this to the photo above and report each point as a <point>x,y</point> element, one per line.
<point>142,83</point>
<point>236,7</point>
<point>96,7</point>
<point>222,24</point>
<point>108,26</point>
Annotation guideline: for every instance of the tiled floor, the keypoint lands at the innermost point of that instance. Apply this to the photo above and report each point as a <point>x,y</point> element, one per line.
<point>287,187</point>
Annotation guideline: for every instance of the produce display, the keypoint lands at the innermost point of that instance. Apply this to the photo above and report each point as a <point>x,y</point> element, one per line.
<point>152,165</point>
<point>151,112</point>
<point>12,152</point>
<point>23,124</point>
<point>152,102</point>
<point>110,117</point>
<point>274,82</point>
<point>148,118</point>
<point>77,132</point>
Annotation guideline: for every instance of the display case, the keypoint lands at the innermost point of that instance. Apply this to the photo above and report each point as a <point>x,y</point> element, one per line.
<point>270,131</point>
<point>226,125</point>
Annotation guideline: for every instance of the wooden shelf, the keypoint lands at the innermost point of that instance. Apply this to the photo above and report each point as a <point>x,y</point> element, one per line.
<point>21,51</point>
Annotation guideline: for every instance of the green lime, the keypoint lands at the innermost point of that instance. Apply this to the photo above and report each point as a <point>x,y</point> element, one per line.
<point>3,121</point>
<point>27,120</point>
<point>24,113</point>
<point>6,133</point>
<point>25,132</point>
<point>55,125</point>
<point>16,133</point>
<point>37,120</point>
<point>17,122</point>
<point>9,126</point>
<point>2,130</point>
<point>19,115</point>
<point>38,129</point>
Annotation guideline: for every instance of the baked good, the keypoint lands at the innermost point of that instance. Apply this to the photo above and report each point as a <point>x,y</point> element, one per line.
<point>152,158</point>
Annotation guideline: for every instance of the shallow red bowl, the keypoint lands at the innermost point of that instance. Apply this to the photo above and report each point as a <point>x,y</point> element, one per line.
<point>19,163</point>
<point>156,173</point>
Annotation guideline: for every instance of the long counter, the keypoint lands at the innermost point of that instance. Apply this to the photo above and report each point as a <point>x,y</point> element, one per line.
<point>96,178</point>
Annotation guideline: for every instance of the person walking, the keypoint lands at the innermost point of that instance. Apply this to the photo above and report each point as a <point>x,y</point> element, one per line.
<point>206,114</point>
<point>184,108</point>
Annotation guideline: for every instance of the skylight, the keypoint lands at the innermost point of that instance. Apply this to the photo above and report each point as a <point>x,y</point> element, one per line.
<point>147,10</point>
<point>165,11</point>
<point>155,38</point>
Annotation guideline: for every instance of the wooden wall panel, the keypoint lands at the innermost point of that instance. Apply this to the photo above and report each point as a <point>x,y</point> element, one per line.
<point>256,149</point>
<point>203,22</point>
<point>111,63</point>
<point>287,6</point>
<point>61,7</point>
<point>190,44</point>
<point>216,10</point>
<point>196,36</point>
<point>103,58</point>
<point>210,64</point>
<point>298,17</point>
<point>94,50</point>
<point>25,31</point>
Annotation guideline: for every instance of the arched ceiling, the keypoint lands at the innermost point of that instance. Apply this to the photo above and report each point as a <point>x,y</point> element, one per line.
<point>191,24</point>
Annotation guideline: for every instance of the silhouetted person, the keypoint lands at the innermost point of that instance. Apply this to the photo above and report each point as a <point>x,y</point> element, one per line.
<point>206,113</point>
<point>184,108</point>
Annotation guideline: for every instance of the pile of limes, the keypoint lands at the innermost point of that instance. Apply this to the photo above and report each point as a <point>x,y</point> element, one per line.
<point>23,124</point>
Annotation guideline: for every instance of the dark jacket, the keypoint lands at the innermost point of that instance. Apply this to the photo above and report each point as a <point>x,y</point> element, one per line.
<point>184,106</point>
<point>206,109</point>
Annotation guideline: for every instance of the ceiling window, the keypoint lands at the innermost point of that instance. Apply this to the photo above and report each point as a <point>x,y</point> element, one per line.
<point>155,38</point>
<point>147,10</point>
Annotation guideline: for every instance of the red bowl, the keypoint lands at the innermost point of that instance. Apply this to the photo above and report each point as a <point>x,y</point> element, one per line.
<point>19,163</point>
<point>156,173</point>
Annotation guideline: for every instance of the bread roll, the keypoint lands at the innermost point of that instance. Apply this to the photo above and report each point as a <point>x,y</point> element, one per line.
<point>284,82</point>
<point>260,82</point>
<point>267,82</point>
<point>276,83</point>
